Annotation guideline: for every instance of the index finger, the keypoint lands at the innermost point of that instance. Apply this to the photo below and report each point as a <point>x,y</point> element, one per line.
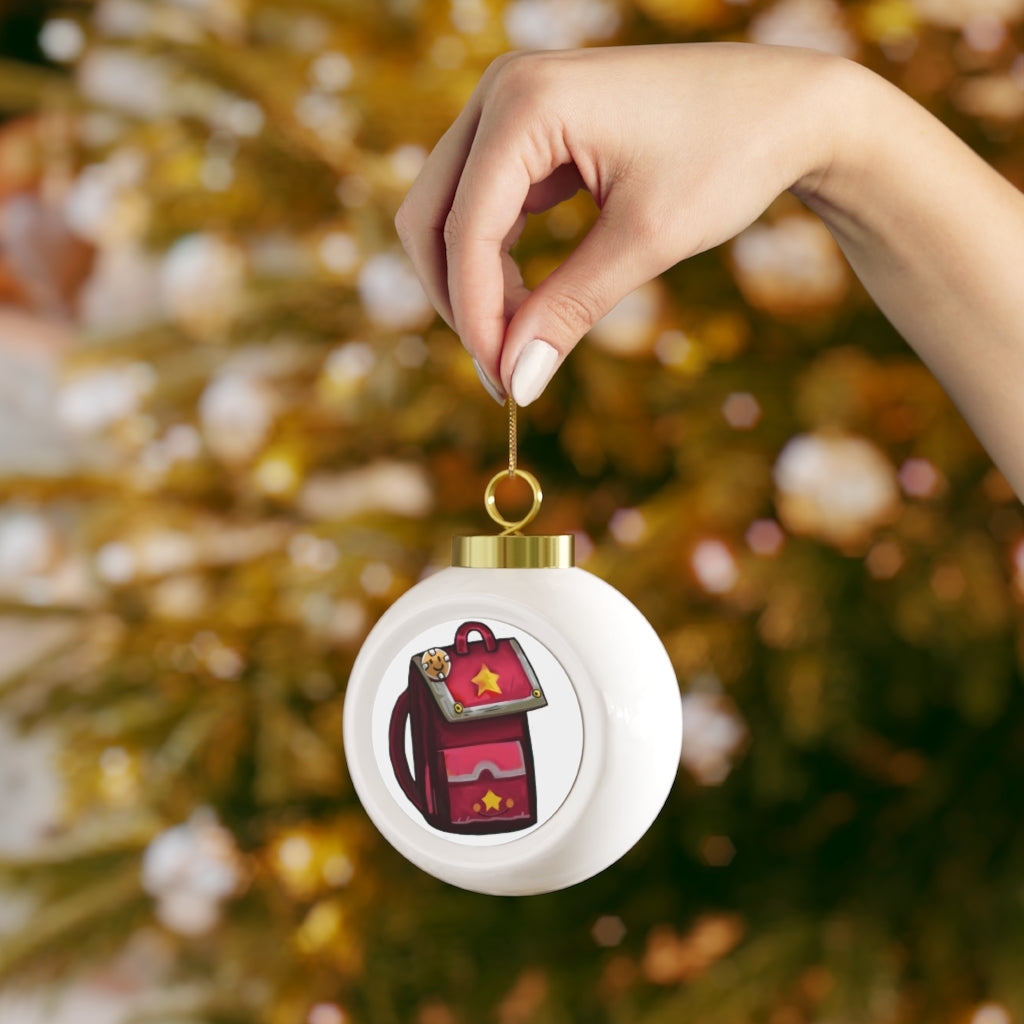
<point>503,165</point>
<point>421,218</point>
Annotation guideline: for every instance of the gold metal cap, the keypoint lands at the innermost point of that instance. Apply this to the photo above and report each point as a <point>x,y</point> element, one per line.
<point>510,549</point>
<point>514,551</point>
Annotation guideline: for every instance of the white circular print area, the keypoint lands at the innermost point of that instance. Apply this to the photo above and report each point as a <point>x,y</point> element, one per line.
<point>477,732</point>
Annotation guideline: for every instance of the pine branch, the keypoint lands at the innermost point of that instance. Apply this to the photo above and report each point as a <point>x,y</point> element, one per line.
<point>23,85</point>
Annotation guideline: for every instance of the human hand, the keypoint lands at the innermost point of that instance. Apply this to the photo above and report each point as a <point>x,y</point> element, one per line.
<point>681,146</point>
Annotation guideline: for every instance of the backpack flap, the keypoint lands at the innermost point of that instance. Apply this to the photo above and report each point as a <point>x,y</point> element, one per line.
<point>485,678</point>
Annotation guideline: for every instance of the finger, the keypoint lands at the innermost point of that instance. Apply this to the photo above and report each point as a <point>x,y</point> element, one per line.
<point>609,263</point>
<point>488,210</point>
<point>421,217</point>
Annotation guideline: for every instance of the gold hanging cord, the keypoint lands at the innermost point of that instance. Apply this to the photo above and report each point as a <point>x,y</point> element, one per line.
<point>510,549</point>
<point>512,527</point>
<point>513,435</point>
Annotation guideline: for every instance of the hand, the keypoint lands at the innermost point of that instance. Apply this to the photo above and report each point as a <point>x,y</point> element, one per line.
<point>684,146</point>
<point>681,147</point>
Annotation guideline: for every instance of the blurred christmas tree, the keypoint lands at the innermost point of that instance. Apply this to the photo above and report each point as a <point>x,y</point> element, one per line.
<point>267,437</point>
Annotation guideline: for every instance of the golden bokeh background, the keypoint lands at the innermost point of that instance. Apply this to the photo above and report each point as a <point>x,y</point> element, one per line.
<point>232,432</point>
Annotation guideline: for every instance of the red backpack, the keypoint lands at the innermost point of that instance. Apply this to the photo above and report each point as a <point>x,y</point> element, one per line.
<point>472,760</point>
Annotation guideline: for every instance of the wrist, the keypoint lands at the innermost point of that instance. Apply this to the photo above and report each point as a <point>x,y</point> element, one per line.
<point>844,105</point>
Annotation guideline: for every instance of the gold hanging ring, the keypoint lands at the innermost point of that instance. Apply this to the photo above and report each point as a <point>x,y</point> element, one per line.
<point>491,503</point>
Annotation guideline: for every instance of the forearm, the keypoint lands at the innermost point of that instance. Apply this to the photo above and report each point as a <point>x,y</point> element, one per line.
<point>937,238</point>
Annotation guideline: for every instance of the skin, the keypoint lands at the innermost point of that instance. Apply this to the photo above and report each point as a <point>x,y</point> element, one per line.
<point>682,147</point>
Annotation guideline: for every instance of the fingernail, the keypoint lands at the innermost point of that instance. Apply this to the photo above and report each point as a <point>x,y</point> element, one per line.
<point>534,369</point>
<point>489,386</point>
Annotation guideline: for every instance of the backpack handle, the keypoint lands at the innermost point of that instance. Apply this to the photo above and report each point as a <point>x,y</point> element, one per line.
<point>396,748</point>
<point>462,637</point>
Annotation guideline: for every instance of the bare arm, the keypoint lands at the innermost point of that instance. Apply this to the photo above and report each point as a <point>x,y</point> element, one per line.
<point>684,146</point>
<point>937,238</point>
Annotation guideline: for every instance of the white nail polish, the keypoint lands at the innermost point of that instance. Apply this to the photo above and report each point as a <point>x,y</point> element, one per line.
<point>489,386</point>
<point>534,369</point>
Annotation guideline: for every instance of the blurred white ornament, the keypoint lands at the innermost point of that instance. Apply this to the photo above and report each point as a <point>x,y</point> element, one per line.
<point>406,162</point>
<point>376,579</point>
<point>219,659</point>
<point>1018,565</point>
<point>628,526</point>
<point>241,117</point>
<point>201,283</point>
<point>347,622</point>
<point>392,295</point>
<point>920,479</point>
<point>62,40</point>
<point>216,174</point>
<point>135,83</point>
<point>278,474</point>
<point>325,1013</point>
<point>834,487</point>
<point>339,252</point>
<point>225,663</point>
<point>331,71</point>
<point>741,410</point>
<point>96,399</point>
<point>122,19</point>
<point>790,267</point>
<point>333,119</point>
<point>715,733</point>
<point>122,293</point>
<point>190,870</point>
<point>677,351</point>
<point>991,1013</point>
<point>307,551</point>
<point>31,793</point>
<point>998,97</point>
<point>236,412</point>
<point>116,562</point>
<point>815,24</point>
<point>985,32</point>
<point>180,598</point>
<point>765,537</point>
<point>181,443</point>
<point>559,24</point>
<point>628,328</point>
<point>29,545</point>
<point>161,552</point>
<point>349,363</point>
<point>106,204</point>
<point>714,566</point>
<point>397,488</point>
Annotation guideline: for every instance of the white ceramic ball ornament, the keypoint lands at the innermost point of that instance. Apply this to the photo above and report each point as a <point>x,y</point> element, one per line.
<point>512,724</point>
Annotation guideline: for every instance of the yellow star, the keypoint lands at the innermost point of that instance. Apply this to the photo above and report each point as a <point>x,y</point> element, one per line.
<point>491,800</point>
<point>486,681</point>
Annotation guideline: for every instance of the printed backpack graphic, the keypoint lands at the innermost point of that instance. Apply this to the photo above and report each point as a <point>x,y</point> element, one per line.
<point>472,760</point>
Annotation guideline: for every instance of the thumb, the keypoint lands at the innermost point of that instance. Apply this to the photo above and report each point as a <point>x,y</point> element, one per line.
<point>608,264</point>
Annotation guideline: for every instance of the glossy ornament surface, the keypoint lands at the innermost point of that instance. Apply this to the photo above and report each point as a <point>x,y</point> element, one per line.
<point>513,730</point>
